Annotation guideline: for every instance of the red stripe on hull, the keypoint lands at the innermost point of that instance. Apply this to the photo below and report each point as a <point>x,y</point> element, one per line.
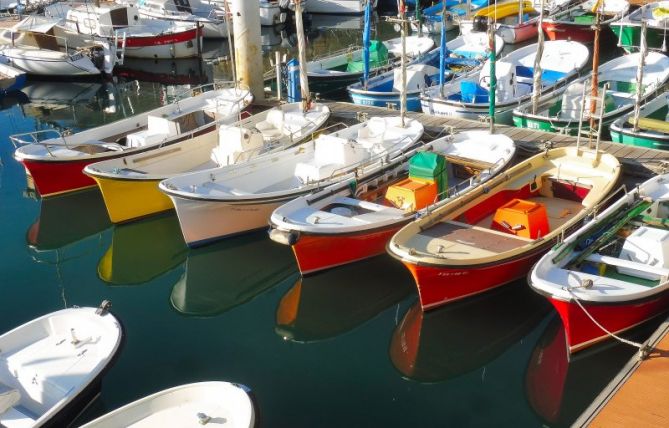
<point>582,332</point>
<point>318,252</point>
<point>58,177</point>
<point>438,286</point>
<point>166,39</point>
<point>573,32</point>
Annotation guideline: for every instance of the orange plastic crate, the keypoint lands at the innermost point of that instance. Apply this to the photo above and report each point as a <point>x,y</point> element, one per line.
<point>522,218</point>
<point>412,194</point>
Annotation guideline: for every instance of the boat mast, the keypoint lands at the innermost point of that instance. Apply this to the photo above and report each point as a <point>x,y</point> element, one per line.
<point>639,77</point>
<point>595,64</point>
<point>443,50</point>
<point>536,84</point>
<point>493,77</point>
<point>365,44</point>
<point>302,57</point>
<point>226,11</point>
<point>403,92</point>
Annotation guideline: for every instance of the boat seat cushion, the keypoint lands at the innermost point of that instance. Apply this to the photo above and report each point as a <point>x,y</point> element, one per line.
<point>272,126</point>
<point>9,397</point>
<point>331,153</point>
<point>158,129</point>
<point>233,142</point>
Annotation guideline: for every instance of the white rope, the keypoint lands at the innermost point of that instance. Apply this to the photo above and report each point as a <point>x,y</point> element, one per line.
<point>640,346</point>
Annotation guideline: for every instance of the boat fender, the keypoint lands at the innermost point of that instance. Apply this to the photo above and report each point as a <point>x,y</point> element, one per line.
<point>285,237</point>
<point>103,309</point>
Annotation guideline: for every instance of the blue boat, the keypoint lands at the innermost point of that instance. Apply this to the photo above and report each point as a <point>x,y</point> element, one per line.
<point>432,17</point>
<point>465,53</point>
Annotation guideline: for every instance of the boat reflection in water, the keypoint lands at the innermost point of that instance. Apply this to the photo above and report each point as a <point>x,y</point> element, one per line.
<point>143,250</point>
<point>458,338</point>
<point>166,71</point>
<point>226,274</point>
<point>66,219</point>
<point>558,389</point>
<point>332,302</point>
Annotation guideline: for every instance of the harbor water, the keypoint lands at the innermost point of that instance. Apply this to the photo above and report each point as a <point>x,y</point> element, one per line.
<point>345,347</point>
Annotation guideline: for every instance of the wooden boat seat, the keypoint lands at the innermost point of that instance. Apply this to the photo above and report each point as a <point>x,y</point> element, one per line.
<point>651,124</point>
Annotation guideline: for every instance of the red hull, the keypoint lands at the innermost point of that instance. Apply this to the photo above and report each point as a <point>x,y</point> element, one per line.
<point>319,252</point>
<point>438,285</point>
<point>165,39</point>
<point>570,31</point>
<point>582,332</point>
<point>52,178</point>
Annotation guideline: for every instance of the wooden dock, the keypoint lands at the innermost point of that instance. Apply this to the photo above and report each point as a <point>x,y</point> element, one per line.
<point>637,396</point>
<point>637,161</point>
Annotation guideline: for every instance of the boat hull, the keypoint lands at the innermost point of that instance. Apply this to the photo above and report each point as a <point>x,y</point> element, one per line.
<point>316,252</point>
<point>581,332</point>
<point>54,66</point>
<point>128,200</point>
<point>53,178</point>
<point>440,285</point>
<point>391,99</point>
<point>185,44</point>
<point>630,39</point>
<point>343,7</point>
<point>660,142</point>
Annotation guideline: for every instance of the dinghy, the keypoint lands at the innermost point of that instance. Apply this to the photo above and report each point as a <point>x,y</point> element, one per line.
<point>465,54</point>
<point>352,221</point>
<point>516,21</point>
<point>561,111</point>
<point>469,96</point>
<point>55,162</point>
<point>11,78</point>
<point>210,203</point>
<point>195,404</point>
<point>52,366</point>
<point>614,269</point>
<point>494,234</point>
<point>129,184</point>
<point>330,74</point>
<point>652,127</point>
<point>628,28</point>
<point>577,23</point>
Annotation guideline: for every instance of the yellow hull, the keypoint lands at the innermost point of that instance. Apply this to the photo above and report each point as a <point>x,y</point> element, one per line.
<point>505,9</point>
<point>132,199</point>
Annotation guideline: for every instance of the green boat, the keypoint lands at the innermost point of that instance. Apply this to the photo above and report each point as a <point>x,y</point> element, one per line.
<point>628,29</point>
<point>561,111</point>
<point>653,127</point>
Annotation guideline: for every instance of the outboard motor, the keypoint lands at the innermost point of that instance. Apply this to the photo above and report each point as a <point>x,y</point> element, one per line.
<point>480,24</point>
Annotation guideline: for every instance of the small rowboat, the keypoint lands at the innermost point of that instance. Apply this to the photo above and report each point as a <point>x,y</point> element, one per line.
<point>513,25</point>
<point>192,405</point>
<point>653,125</point>
<point>628,28</point>
<point>614,270</point>
<point>52,366</point>
<point>347,223</point>
<point>577,23</point>
<point>494,234</point>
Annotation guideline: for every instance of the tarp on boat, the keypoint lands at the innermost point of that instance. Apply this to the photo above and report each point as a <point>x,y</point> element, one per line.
<point>378,56</point>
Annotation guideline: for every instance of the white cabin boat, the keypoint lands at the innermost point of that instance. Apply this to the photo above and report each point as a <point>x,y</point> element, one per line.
<point>210,18</point>
<point>339,7</point>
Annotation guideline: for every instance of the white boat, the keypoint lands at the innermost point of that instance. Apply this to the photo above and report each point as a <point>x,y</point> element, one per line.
<point>33,45</point>
<point>468,96</point>
<point>121,27</point>
<point>129,184</point>
<point>209,17</point>
<point>196,404</point>
<point>345,223</point>
<point>516,21</point>
<point>49,366</point>
<point>11,78</point>
<point>55,161</point>
<point>271,11</point>
<point>236,199</point>
<point>344,7</point>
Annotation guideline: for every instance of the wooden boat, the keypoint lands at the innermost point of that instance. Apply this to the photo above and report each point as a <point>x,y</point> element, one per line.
<point>513,25</point>
<point>468,96</point>
<point>494,234</point>
<point>466,53</point>
<point>330,74</point>
<point>628,28</point>
<point>613,270</point>
<point>456,10</point>
<point>33,46</point>
<point>353,221</point>
<point>653,127</point>
<point>209,203</point>
<point>325,306</point>
<point>344,7</point>
<point>132,36</point>
<point>198,293</point>
<point>129,184</point>
<point>52,366</point>
<point>431,347</point>
<point>561,110</point>
<point>577,23</point>
<point>186,405</point>
<point>55,162</point>
<point>11,78</point>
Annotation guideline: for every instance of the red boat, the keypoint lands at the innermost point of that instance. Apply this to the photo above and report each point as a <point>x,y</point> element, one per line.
<point>613,270</point>
<point>577,23</point>
<point>492,235</point>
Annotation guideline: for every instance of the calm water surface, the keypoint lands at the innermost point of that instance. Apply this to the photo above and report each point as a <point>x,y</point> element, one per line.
<point>348,347</point>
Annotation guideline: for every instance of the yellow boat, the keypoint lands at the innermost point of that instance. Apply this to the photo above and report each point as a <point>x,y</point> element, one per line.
<point>505,9</point>
<point>512,26</point>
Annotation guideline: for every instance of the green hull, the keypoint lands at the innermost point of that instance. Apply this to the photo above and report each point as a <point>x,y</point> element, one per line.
<point>540,125</point>
<point>640,141</point>
<point>630,39</point>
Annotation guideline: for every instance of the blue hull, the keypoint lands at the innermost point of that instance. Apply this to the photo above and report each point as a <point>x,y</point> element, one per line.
<point>393,101</point>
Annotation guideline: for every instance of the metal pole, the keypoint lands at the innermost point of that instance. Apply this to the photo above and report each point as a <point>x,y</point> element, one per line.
<point>536,84</point>
<point>442,50</point>
<point>403,92</point>
<point>231,49</point>
<point>277,60</point>
<point>302,56</point>
<point>595,71</point>
<point>248,47</point>
<point>639,76</point>
<point>493,76</point>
